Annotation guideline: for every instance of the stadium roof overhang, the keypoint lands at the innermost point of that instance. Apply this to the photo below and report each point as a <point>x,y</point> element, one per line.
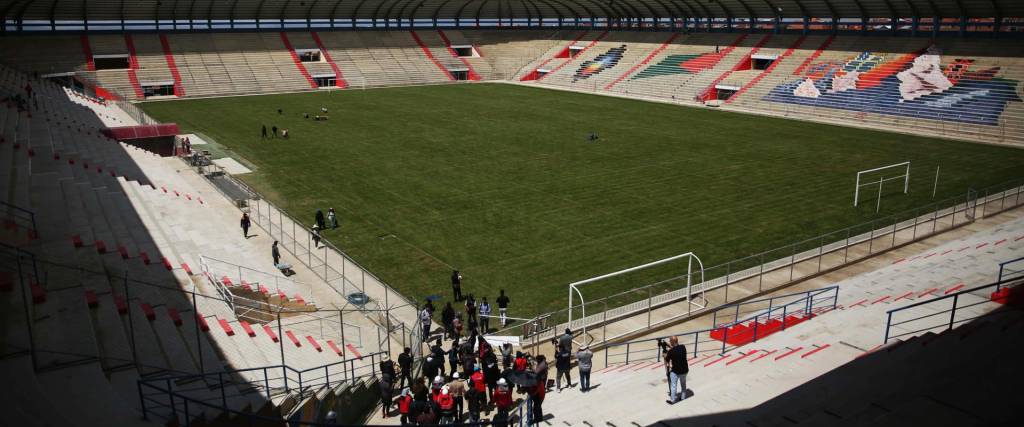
<point>306,10</point>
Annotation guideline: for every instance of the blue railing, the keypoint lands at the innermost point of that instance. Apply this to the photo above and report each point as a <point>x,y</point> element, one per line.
<point>757,311</point>
<point>944,319</point>
<point>17,216</point>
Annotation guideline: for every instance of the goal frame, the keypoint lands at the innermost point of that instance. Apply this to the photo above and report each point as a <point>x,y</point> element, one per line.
<point>574,287</point>
<point>881,180</point>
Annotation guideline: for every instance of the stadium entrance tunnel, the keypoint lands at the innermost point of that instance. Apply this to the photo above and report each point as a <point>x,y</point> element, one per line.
<point>309,55</point>
<point>723,92</point>
<point>158,89</point>
<point>462,74</point>
<point>111,62</point>
<point>762,62</point>
<point>465,51</point>
<point>328,80</point>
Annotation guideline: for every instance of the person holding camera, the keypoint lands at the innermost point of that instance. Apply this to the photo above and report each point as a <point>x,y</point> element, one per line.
<point>678,368</point>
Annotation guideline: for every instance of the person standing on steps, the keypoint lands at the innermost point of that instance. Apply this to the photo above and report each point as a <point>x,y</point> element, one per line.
<point>457,285</point>
<point>563,364</point>
<point>448,317</point>
<point>425,320</point>
<point>485,316</point>
<point>502,307</point>
<point>319,217</point>
<point>585,359</point>
<point>565,340</point>
<point>405,364</point>
<point>538,391</point>
<point>679,369</point>
<point>274,252</point>
<point>245,223</point>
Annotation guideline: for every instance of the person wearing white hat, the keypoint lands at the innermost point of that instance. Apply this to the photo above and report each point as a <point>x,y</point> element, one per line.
<point>584,358</point>
<point>457,388</point>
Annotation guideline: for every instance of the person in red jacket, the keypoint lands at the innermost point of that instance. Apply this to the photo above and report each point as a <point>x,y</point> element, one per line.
<point>404,401</point>
<point>502,397</point>
<point>480,385</point>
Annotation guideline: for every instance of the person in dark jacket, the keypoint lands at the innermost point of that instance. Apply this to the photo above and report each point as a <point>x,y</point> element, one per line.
<point>448,317</point>
<point>274,129</point>
<point>386,393</point>
<point>320,219</point>
<point>502,307</point>
<point>274,252</point>
<point>471,312</point>
<point>457,285</point>
<point>405,363</point>
<point>387,367</point>
<point>453,356</point>
<point>538,391</point>
<point>563,361</point>
<point>245,223</point>
<point>264,132</point>
<point>492,373</point>
<point>430,367</point>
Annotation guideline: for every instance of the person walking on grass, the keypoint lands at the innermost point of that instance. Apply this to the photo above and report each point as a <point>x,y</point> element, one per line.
<point>263,135</point>
<point>245,223</point>
<point>485,316</point>
<point>332,218</point>
<point>502,307</point>
<point>319,218</point>
<point>584,358</point>
<point>274,252</point>
<point>678,370</point>
<point>563,364</point>
<point>274,129</point>
<point>457,285</point>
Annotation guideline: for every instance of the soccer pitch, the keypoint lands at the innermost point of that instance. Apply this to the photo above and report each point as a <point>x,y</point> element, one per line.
<point>501,182</point>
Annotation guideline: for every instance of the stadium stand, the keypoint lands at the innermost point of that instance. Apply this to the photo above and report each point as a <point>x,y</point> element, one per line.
<point>130,299</point>
<point>118,258</point>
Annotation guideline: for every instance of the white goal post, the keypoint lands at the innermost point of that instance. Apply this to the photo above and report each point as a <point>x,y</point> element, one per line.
<point>574,287</point>
<point>905,176</point>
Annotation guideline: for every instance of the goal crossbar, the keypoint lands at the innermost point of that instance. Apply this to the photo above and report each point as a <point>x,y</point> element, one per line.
<point>574,286</point>
<point>905,176</point>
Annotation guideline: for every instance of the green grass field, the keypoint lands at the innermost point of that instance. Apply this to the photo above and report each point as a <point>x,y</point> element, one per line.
<point>500,181</point>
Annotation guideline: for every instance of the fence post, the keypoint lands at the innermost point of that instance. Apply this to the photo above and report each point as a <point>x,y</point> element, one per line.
<point>760,274</point>
<point>871,238</point>
<point>846,247</point>
<point>821,251</point>
<point>627,353</point>
<point>223,394</point>
<point>888,321</point>
<point>649,296</point>
<point>792,262</point>
<point>341,320</point>
<point>695,342</point>
<point>604,324</point>
<point>952,313</point>
<point>785,308</point>
<point>280,341</point>
<point>894,221</point>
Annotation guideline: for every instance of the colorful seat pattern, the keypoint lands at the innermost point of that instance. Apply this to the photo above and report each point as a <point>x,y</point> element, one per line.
<point>911,85</point>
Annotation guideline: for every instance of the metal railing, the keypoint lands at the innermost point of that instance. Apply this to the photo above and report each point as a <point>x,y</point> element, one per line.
<point>1006,272</point>
<point>942,311</point>
<point>771,269</point>
<point>268,380</point>
<point>177,397</point>
<point>779,309</point>
<point>18,217</point>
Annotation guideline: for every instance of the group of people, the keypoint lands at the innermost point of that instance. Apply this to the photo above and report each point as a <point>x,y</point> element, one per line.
<point>320,223</point>
<point>477,379</point>
<point>477,317</point>
<point>273,132</point>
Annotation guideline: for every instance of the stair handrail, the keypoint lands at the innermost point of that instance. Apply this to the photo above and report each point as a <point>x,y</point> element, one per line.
<point>952,322</point>
<point>1005,272</point>
<point>810,304</point>
<point>18,213</point>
